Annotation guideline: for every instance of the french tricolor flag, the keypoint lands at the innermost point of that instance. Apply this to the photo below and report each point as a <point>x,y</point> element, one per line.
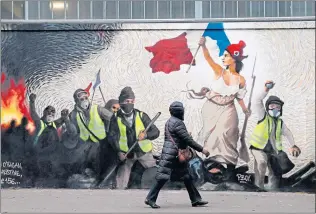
<point>94,84</point>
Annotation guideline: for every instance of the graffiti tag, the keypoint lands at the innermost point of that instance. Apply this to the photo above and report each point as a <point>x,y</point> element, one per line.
<point>11,173</point>
<point>243,178</point>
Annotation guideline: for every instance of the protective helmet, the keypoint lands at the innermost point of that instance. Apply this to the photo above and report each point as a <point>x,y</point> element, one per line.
<point>77,94</point>
<point>276,100</point>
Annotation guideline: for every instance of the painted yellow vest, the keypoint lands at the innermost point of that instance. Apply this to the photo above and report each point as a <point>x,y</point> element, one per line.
<point>145,145</point>
<point>95,125</point>
<point>261,133</point>
<point>43,127</point>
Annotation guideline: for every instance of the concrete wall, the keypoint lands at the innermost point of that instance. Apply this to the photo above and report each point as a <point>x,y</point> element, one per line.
<point>53,61</point>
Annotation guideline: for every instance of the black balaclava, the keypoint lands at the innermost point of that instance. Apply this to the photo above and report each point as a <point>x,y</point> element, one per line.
<point>126,93</point>
<point>176,109</point>
<point>276,100</point>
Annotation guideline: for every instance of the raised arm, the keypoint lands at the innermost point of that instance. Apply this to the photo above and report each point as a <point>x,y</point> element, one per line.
<point>258,107</point>
<point>70,127</point>
<point>34,114</point>
<point>216,67</point>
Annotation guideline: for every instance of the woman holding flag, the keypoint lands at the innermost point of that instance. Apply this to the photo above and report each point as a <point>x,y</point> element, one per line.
<point>220,132</point>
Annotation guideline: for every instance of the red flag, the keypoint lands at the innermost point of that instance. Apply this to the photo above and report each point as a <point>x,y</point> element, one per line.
<point>169,54</point>
<point>88,88</point>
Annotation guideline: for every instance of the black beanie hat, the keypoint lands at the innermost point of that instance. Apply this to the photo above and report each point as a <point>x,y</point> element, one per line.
<point>126,93</point>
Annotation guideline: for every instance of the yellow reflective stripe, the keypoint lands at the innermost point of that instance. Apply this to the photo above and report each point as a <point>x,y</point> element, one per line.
<point>145,145</point>
<point>262,131</point>
<point>96,124</point>
<point>278,135</point>
<point>84,133</point>
<point>123,137</point>
<point>42,128</point>
<point>260,135</point>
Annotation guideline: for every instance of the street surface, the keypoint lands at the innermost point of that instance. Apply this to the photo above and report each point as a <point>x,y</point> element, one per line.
<point>132,201</point>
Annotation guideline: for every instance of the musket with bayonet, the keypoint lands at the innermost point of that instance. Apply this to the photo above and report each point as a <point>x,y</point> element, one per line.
<point>243,149</point>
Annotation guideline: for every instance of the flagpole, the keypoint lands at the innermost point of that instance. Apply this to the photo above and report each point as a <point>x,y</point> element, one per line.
<point>197,50</point>
<point>243,153</point>
<point>102,95</point>
<point>92,96</point>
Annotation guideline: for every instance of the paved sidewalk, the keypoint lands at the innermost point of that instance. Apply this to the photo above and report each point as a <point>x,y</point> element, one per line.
<point>132,201</point>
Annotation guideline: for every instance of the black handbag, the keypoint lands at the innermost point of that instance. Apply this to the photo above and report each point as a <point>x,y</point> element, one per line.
<point>280,163</point>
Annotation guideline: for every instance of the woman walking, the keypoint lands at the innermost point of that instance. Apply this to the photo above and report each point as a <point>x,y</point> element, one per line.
<point>170,167</point>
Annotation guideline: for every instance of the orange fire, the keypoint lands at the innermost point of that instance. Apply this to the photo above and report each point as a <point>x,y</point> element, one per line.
<point>13,105</point>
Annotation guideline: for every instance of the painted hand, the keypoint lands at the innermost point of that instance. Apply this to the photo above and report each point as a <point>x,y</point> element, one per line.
<point>247,112</point>
<point>121,156</point>
<point>295,151</point>
<point>205,152</point>
<point>202,41</point>
<point>142,135</point>
<point>268,85</point>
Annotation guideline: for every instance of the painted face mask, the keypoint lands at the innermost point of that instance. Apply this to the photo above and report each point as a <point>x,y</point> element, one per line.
<point>49,118</point>
<point>274,112</point>
<point>84,104</point>
<point>127,108</point>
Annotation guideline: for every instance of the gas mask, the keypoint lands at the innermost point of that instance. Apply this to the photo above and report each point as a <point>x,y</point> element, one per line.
<point>127,107</point>
<point>274,112</point>
<point>84,104</point>
<point>49,118</point>
<point>82,99</point>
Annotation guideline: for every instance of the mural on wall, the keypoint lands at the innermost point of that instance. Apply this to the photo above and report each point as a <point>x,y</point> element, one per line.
<point>85,106</point>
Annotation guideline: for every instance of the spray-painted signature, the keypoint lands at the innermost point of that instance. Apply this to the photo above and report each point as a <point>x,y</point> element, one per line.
<point>243,178</point>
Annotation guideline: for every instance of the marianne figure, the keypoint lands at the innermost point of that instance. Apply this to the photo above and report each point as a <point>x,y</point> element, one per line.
<point>220,132</point>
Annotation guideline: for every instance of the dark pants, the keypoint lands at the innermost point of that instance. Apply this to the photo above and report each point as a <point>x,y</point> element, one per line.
<point>188,182</point>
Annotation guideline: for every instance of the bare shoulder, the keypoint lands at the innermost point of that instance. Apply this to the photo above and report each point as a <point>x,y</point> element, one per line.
<point>242,81</point>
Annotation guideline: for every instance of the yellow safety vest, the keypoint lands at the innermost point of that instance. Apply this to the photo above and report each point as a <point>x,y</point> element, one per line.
<point>95,125</point>
<point>43,127</point>
<point>145,145</point>
<point>262,131</point>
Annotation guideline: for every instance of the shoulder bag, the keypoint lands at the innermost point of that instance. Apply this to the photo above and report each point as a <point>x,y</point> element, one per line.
<point>184,155</point>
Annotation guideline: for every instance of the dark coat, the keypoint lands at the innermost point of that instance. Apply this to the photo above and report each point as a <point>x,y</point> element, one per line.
<point>113,136</point>
<point>169,166</point>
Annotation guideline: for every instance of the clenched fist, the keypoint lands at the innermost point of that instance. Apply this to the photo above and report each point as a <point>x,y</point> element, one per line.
<point>206,152</point>
<point>32,97</point>
<point>268,85</point>
<point>142,135</point>
<point>202,41</point>
<point>121,156</point>
<point>295,151</point>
